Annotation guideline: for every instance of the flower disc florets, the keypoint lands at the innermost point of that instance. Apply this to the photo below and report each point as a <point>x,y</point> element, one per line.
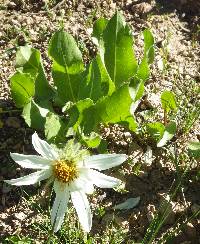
<point>65,171</point>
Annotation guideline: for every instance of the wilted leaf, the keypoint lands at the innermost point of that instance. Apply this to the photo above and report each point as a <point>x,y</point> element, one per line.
<point>168,134</point>
<point>168,101</point>
<point>128,204</point>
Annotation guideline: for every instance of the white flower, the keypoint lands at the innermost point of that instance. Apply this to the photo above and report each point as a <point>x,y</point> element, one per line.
<point>72,171</point>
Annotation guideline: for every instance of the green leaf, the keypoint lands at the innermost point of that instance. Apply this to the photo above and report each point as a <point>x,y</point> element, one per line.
<point>168,101</point>
<point>64,51</point>
<point>55,128</point>
<point>143,71</point>
<point>67,107</point>
<point>97,82</point>
<point>156,130</point>
<point>67,85</point>
<point>107,85</point>
<point>136,89</point>
<point>35,114</point>
<point>76,113</point>
<point>168,134</point>
<point>102,148</point>
<point>194,149</point>
<point>98,28</point>
<point>112,109</point>
<point>22,88</point>
<point>15,239</point>
<point>28,60</point>
<point>67,67</point>
<point>92,141</point>
<point>119,57</point>
<point>148,46</point>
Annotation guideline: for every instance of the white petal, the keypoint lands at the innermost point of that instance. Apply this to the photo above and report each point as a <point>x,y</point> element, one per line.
<point>82,207</point>
<point>31,161</point>
<point>82,184</point>
<point>59,206</point>
<point>104,161</point>
<point>100,179</point>
<point>31,178</point>
<point>43,148</point>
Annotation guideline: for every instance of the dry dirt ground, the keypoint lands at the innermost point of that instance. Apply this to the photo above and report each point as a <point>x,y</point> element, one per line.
<point>176,30</point>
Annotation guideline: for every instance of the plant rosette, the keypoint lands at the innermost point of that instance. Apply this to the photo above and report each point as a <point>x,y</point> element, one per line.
<point>74,173</point>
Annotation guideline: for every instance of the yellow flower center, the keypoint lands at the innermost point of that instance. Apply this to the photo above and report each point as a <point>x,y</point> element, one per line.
<point>65,171</point>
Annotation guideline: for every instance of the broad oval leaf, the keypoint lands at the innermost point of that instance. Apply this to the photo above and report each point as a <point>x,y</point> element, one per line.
<point>156,130</point>
<point>168,134</point>
<point>64,51</point>
<point>55,128</point>
<point>168,101</point>
<point>112,109</point>
<point>76,113</point>
<point>22,89</point>
<point>35,114</point>
<point>92,141</point>
<point>97,82</point>
<point>28,60</point>
<point>67,85</point>
<point>119,56</point>
<point>67,67</point>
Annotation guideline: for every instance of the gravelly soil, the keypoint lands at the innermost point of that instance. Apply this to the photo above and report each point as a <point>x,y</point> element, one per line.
<point>176,37</point>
